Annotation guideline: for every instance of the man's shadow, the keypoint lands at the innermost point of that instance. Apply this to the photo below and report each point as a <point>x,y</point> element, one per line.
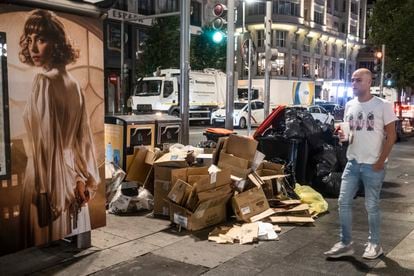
<point>391,266</point>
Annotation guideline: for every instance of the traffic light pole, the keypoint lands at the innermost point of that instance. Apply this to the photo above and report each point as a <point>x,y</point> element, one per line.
<point>382,71</point>
<point>184,70</point>
<point>229,65</point>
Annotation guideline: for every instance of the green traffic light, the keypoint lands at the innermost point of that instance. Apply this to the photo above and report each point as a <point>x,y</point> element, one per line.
<point>218,37</point>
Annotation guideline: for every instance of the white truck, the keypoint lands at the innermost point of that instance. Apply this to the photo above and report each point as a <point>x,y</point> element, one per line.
<point>161,93</point>
<point>282,92</point>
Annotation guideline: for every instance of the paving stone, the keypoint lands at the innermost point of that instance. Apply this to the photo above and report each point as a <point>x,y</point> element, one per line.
<point>135,248</point>
<point>87,264</point>
<point>102,239</point>
<point>133,227</point>
<point>150,264</point>
<point>391,266</point>
<point>201,252</point>
<point>164,238</point>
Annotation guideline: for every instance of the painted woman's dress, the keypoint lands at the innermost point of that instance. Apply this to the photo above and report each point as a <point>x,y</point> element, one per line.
<point>61,152</point>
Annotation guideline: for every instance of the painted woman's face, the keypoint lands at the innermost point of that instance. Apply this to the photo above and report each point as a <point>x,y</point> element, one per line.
<point>39,49</point>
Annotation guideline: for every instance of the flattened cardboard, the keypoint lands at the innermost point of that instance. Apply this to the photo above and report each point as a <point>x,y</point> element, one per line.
<point>241,146</point>
<point>262,215</point>
<point>249,233</point>
<point>141,165</point>
<point>291,219</point>
<point>249,203</point>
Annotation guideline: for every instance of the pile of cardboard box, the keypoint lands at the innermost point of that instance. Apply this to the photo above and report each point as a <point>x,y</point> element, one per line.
<point>195,197</point>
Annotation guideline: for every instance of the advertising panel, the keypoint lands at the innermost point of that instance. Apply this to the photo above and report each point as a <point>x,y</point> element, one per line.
<point>56,106</point>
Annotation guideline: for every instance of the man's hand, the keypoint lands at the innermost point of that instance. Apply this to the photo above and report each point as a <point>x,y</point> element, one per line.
<point>82,194</point>
<point>378,166</point>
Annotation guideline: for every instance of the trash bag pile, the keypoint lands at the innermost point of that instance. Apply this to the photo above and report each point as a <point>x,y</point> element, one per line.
<point>324,157</point>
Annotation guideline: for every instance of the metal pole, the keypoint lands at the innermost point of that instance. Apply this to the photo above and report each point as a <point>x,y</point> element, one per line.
<point>249,91</point>
<point>382,71</point>
<point>346,69</point>
<point>184,70</point>
<point>230,65</point>
<point>122,65</point>
<point>268,25</point>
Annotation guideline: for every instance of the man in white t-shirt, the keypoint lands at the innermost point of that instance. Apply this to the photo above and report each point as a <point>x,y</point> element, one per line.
<point>372,135</point>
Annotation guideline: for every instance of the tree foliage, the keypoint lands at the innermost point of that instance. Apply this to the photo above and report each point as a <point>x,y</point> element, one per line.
<point>392,24</point>
<point>207,54</point>
<point>162,48</point>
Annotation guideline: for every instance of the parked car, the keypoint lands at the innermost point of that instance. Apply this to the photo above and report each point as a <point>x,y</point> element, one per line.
<point>240,114</point>
<point>335,109</point>
<point>318,113</point>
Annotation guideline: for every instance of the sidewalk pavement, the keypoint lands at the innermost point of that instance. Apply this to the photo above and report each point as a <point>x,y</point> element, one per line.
<point>140,244</point>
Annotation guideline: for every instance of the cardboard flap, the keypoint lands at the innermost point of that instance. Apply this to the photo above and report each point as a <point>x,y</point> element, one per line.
<point>213,193</point>
<point>238,166</point>
<point>274,167</point>
<point>138,169</point>
<point>257,180</point>
<point>202,206</point>
<point>172,160</point>
<point>241,146</point>
<point>180,192</point>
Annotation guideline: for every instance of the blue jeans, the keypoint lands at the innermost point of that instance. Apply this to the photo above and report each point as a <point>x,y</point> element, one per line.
<point>372,180</point>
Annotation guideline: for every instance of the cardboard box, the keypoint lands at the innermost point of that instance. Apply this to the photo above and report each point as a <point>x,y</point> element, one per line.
<point>241,146</point>
<point>180,192</point>
<point>270,173</point>
<point>206,214</point>
<point>141,165</point>
<point>162,180</point>
<point>239,167</point>
<point>249,203</point>
<point>202,183</point>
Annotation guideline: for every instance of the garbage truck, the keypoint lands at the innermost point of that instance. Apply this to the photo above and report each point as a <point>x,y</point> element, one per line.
<point>161,93</point>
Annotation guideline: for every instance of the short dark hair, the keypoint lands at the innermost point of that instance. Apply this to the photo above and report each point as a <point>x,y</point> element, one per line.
<point>48,25</point>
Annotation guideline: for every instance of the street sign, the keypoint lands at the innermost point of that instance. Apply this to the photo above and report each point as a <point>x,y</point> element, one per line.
<point>129,17</point>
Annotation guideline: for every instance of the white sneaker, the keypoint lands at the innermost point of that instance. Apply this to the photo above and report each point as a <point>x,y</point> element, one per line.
<point>372,251</point>
<point>340,250</point>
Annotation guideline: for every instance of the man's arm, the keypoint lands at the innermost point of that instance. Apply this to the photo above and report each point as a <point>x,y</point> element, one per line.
<point>391,137</point>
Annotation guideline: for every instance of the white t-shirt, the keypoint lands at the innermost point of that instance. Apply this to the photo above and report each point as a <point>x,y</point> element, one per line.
<point>367,121</point>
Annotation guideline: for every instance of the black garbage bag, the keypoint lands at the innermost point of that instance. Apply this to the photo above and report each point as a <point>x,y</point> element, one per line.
<point>341,156</point>
<point>326,161</point>
<point>312,129</point>
<point>294,128</point>
<point>332,183</point>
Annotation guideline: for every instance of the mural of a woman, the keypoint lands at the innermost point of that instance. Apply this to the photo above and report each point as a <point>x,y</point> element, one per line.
<point>61,175</point>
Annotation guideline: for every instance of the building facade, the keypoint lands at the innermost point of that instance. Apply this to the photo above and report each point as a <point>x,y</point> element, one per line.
<point>315,39</point>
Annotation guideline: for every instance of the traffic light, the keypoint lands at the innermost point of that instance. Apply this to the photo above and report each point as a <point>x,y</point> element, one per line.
<point>377,61</point>
<point>388,79</point>
<point>219,22</point>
